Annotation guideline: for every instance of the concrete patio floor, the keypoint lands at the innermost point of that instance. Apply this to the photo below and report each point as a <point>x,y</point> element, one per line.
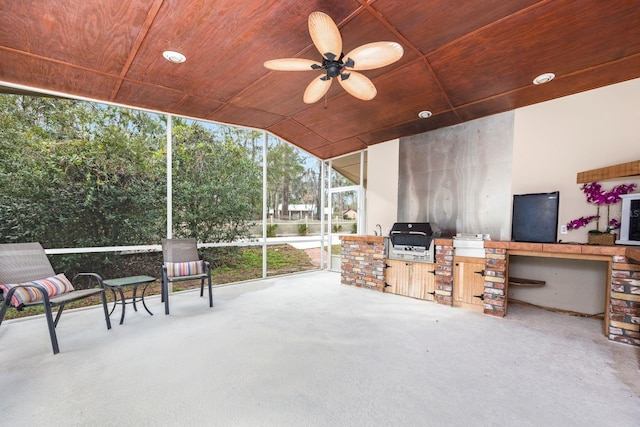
<point>304,350</point>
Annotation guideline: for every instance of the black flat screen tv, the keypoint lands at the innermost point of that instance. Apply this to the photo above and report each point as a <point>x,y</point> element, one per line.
<point>535,217</point>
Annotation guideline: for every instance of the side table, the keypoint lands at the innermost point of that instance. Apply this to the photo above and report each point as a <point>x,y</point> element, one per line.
<point>133,281</point>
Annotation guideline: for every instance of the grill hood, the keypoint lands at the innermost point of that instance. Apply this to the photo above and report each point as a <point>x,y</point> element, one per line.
<point>411,234</point>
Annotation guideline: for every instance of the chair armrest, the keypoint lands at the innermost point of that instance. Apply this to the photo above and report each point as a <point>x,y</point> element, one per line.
<point>93,275</point>
<point>207,266</point>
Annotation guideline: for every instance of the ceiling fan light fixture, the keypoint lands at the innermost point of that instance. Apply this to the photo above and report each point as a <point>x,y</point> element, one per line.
<point>425,114</point>
<point>174,57</point>
<point>327,39</point>
<point>543,78</point>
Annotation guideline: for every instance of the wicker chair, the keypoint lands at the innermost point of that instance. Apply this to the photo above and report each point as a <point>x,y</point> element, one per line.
<point>181,262</point>
<point>24,267</point>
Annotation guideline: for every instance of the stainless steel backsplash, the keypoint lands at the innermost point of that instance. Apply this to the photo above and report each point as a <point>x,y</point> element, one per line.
<point>459,177</point>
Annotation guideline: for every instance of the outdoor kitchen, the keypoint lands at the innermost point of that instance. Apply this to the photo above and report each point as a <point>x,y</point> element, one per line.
<point>462,179</point>
<point>471,272</point>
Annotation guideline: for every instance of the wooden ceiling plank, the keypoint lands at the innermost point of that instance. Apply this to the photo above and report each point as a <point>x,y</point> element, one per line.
<point>556,37</point>
<point>144,30</point>
<point>477,58</point>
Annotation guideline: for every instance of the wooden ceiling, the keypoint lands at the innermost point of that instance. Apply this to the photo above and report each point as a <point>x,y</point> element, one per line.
<point>463,59</point>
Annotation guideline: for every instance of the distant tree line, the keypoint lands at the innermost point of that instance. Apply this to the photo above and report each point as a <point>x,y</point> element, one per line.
<point>75,174</point>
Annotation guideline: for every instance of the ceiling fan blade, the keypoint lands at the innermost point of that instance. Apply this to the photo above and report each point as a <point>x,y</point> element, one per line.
<point>325,34</point>
<point>291,64</point>
<point>374,55</point>
<point>316,89</point>
<point>359,86</point>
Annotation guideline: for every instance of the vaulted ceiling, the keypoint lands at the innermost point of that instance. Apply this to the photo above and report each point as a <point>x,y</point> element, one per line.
<point>462,59</point>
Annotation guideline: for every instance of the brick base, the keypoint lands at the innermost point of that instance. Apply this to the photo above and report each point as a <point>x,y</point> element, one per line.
<point>444,272</point>
<point>495,289</point>
<point>363,262</point>
<point>624,310</point>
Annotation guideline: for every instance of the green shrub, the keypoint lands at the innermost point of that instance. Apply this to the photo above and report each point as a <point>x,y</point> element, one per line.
<point>303,229</point>
<point>336,228</point>
<point>354,228</point>
<point>271,230</point>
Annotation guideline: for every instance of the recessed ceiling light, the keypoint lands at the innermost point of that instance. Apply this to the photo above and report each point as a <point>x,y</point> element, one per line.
<point>425,114</point>
<point>173,56</point>
<point>543,78</point>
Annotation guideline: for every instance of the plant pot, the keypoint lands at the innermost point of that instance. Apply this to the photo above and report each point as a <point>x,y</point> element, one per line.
<point>603,239</point>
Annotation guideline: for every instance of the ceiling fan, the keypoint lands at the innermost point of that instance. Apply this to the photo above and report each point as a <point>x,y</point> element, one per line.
<point>326,37</point>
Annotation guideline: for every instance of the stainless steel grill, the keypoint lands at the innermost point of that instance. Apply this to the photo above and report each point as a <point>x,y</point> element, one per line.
<point>411,241</point>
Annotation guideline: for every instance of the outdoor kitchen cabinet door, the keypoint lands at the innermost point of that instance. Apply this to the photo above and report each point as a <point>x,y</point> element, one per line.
<point>468,282</point>
<point>411,279</point>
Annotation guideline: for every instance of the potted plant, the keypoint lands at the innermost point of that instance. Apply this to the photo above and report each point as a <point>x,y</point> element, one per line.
<point>594,194</point>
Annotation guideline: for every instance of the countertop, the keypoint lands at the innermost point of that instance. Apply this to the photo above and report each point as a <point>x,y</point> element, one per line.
<point>632,252</point>
<point>360,238</point>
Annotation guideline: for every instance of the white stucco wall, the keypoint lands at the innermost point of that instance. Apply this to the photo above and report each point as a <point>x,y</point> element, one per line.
<point>555,140</point>
<point>382,186</point>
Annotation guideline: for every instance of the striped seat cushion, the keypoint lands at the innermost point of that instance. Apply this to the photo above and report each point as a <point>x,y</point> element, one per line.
<point>180,269</point>
<point>58,284</point>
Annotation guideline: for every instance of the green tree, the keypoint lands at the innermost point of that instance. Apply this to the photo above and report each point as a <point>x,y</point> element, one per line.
<point>311,188</point>
<point>284,167</point>
<point>215,185</point>
<point>75,173</point>
<point>252,141</point>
